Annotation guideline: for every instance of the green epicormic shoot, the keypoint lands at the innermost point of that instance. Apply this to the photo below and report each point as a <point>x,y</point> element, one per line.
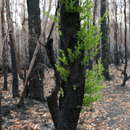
<point>88,40</point>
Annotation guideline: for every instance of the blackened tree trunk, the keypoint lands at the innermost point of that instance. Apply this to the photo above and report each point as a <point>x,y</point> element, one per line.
<point>94,12</point>
<point>104,41</point>
<point>72,101</point>
<point>5,48</point>
<point>125,45</point>
<point>12,50</point>
<point>5,64</point>
<point>14,69</point>
<point>121,55</point>
<point>34,23</point>
<point>116,50</point>
<point>66,114</point>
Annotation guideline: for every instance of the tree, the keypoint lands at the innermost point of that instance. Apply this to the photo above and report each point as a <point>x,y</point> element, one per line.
<point>66,100</point>
<point>94,11</point>
<point>11,43</point>
<point>35,89</point>
<point>104,40</point>
<point>5,47</point>
<point>33,61</point>
<point>126,77</point>
<point>73,89</point>
<point>121,51</point>
<point>116,50</point>
<point>66,114</point>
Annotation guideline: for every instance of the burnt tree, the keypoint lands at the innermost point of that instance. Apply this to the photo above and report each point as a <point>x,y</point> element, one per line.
<point>5,47</point>
<point>11,43</point>
<point>35,89</point>
<point>104,41</point>
<point>94,12</point>
<point>116,49</point>
<point>65,109</point>
<point>126,77</point>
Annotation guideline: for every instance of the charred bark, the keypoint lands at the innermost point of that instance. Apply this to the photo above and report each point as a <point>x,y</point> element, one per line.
<point>35,89</point>
<point>104,41</point>
<point>125,45</point>
<point>71,102</point>
<point>5,48</point>
<point>116,50</point>
<point>94,12</point>
<point>65,110</point>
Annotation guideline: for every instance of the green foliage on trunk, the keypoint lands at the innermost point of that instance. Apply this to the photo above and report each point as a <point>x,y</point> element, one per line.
<point>88,41</point>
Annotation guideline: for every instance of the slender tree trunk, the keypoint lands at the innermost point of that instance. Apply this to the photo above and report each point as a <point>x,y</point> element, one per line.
<point>5,65</point>
<point>116,52</point>
<point>97,57</point>
<point>120,47</point>
<point>104,41</point>
<point>12,50</point>
<point>5,48</point>
<point>94,12</point>
<point>36,80</point>
<point>125,45</point>
<point>109,36</point>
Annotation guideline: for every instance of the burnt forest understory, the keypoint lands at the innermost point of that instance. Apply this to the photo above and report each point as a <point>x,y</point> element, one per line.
<point>65,65</point>
<point>110,113</point>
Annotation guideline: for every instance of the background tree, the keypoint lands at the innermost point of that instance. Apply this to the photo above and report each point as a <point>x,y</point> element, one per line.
<point>116,50</point>
<point>104,40</point>
<point>34,26</point>
<point>94,11</point>
<point>126,51</point>
<point>11,43</point>
<point>5,47</point>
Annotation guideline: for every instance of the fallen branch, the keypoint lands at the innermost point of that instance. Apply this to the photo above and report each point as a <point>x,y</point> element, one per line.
<point>29,72</point>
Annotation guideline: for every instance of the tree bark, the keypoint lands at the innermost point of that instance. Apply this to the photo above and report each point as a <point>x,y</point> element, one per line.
<point>12,50</point>
<point>94,12</point>
<point>34,23</point>
<point>5,48</point>
<point>104,41</point>
<point>65,110</point>
<point>116,50</point>
<point>125,45</point>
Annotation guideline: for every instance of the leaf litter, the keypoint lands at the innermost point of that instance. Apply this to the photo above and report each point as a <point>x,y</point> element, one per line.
<point>112,112</point>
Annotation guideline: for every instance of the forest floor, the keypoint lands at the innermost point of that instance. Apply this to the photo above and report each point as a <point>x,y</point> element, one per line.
<point>112,112</point>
